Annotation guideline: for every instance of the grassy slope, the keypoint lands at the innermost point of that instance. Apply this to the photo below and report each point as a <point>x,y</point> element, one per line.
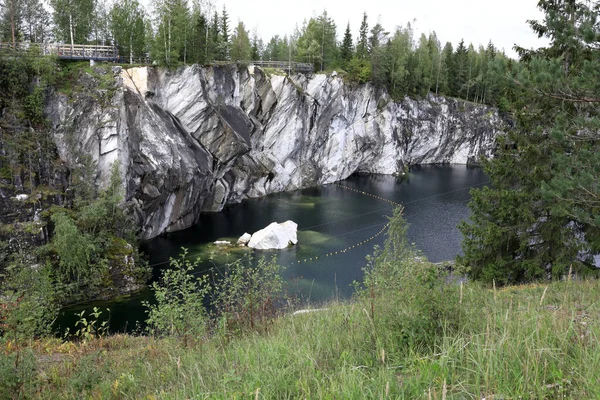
<point>531,342</point>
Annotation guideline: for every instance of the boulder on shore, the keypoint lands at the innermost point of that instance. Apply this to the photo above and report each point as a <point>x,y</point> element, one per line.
<point>244,239</point>
<point>275,236</point>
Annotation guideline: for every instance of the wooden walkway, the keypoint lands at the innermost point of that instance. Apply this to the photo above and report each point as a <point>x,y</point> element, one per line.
<point>66,51</point>
<point>110,53</point>
<point>284,65</point>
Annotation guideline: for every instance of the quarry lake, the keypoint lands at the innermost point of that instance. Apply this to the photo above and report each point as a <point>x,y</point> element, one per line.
<point>330,218</point>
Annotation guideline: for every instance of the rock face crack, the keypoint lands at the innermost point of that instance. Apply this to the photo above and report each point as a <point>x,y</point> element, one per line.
<point>195,139</point>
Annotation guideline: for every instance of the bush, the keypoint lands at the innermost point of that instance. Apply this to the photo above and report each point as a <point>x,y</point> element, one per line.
<point>247,294</point>
<point>409,298</point>
<point>29,302</point>
<point>93,244</point>
<point>17,373</point>
<point>179,310</point>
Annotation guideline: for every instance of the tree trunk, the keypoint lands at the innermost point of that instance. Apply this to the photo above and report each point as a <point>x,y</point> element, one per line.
<point>12,24</point>
<point>130,48</point>
<point>71,31</point>
<point>437,79</point>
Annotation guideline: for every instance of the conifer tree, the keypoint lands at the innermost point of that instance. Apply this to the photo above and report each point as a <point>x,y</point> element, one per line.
<point>346,49</point>
<point>540,219</point>
<point>257,47</point>
<point>446,80</point>
<point>362,43</point>
<point>199,35</point>
<point>460,70</point>
<point>224,44</point>
<point>214,39</point>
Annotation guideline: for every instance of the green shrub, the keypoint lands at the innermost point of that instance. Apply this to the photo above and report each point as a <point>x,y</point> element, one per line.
<point>17,373</point>
<point>33,105</point>
<point>29,302</point>
<point>179,310</point>
<point>246,295</point>
<point>409,298</point>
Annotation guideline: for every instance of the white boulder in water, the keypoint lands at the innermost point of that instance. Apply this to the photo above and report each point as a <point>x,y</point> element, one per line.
<point>244,239</point>
<point>275,236</point>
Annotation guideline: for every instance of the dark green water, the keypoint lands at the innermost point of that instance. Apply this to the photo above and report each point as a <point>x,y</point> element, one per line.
<point>329,219</point>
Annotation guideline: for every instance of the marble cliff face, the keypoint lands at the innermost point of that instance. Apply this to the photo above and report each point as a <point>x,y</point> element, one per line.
<point>194,139</point>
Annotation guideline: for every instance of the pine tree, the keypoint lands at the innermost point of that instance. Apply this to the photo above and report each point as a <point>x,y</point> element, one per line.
<point>257,47</point>
<point>214,39</point>
<point>540,218</point>
<point>198,42</point>
<point>362,45</point>
<point>379,57</point>
<point>446,79</point>
<point>224,44</point>
<point>424,68</point>
<point>435,53</point>
<point>346,51</point>
<point>566,23</point>
<point>460,70</point>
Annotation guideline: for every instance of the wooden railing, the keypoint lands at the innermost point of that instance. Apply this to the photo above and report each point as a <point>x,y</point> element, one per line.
<point>110,53</point>
<point>66,51</point>
<point>283,65</point>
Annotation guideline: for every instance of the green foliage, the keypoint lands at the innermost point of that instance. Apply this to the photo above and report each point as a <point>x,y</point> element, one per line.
<point>317,43</point>
<point>199,38</point>
<point>362,46</point>
<point>91,326</point>
<point>179,310</point>
<point>91,242</point>
<point>128,29</point>
<point>520,342</point>
<point>241,48</point>
<point>277,49</point>
<point>359,70</point>
<point>75,250</point>
<point>33,106</point>
<point>29,301</point>
<point>246,296</point>
<point>18,371</point>
<point>408,297</point>
<point>539,218</point>
<point>173,31</point>
<point>346,50</point>
<point>73,19</point>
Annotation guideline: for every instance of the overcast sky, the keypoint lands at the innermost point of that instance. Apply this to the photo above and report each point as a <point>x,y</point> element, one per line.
<point>477,21</point>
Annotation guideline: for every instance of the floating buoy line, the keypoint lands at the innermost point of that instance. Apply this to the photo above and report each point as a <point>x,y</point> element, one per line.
<point>391,202</point>
<point>347,249</point>
<point>361,243</point>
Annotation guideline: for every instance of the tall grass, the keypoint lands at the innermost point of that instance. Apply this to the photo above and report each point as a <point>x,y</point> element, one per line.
<point>411,332</point>
<point>529,342</point>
